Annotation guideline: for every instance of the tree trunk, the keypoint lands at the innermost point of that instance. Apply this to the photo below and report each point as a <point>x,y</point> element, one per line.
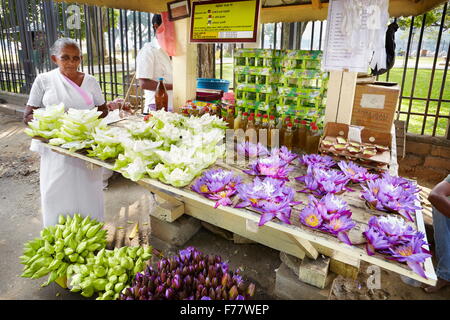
<point>205,62</point>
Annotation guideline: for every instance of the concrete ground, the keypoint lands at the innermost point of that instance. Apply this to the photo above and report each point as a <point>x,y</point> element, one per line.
<point>125,203</point>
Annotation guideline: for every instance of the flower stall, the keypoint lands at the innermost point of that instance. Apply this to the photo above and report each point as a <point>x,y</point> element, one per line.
<point>301,204</point>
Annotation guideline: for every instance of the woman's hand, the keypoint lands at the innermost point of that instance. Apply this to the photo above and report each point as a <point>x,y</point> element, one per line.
<point>104,109</point>
<point>28,114</point>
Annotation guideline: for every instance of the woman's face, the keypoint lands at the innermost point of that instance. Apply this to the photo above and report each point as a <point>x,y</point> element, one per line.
<point>68,60</point>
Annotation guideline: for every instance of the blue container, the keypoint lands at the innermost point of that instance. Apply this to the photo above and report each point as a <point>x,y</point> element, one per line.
<point>215,84</point>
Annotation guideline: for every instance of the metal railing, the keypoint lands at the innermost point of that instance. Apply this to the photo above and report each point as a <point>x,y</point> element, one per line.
<point>111,38</point>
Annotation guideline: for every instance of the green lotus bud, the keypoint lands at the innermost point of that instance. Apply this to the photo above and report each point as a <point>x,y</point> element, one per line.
<point>68,251</point>
<point>93,230</point>
<point>59,256</point>
<point>123,278</point>
<point>61,219</point>
<point>62,269</point>
<point>117,271</point>
<point>84,254</point>
<point>119,287</point>
<point>99,271</point>
<point>73,243</point>
<point>88,292</point>
<point>109,286</point>
<point>48,247</point>
<point>81,246</point>
<point>113,278</point>
<point>108,294</point>
<point>85,221</point>
<point>66,233</point>
<point>80,259</point>
<point>40,273</point>
<point>52,277</point>
<point>54,265</point>
<point>84,270</point>
<point>100,284</point>
<point>94,246</point>
<point>140,251</point>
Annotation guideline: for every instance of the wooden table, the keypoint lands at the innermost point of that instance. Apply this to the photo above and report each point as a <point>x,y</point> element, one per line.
<point>294,239</point>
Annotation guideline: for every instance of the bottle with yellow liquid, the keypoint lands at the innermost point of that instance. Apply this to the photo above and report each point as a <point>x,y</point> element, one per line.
<point>272,126</point>
<point>288,136</point>
<point>237,120</point>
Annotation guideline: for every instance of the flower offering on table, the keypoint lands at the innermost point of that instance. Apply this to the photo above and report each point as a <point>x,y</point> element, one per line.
<point>320,181</point>
<point>390,194</point>
<point>270,197</point>
<point>272,166</point>
<point>329,214</point>
<point>355,173</point>
<point>284,154</point>
<point>397,240</point>
<point>252,150</point>
<point>317,161</point>
<point>217,184</point>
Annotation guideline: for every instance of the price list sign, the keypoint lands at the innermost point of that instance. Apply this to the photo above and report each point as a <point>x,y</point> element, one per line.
<point>224,21</point>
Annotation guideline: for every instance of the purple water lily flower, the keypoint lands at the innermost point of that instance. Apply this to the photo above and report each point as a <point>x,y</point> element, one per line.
<point>272,166</point>
<point>376,241</point>
<point>355,173</point>
<point>317,161</point>
<point>269,196</point>
<point>382,195</point>
<point>252,150</point>
<point>219,185</point>
<point>412,253</point>
<point>329,214</point>
<point>284,154</point>
<point>394,230</point>
<point>319,181</point>
<point>339,226</point>
<point>406,184</point>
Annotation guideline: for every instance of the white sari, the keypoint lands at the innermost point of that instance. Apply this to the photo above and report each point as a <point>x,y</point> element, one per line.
<point>67,185</point>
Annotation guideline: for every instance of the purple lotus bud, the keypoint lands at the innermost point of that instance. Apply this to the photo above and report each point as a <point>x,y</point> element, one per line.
<point>197,296</point>
<point>202,264</point>
<point>212,293</point>
<point>173,264</point>
<point>168,282</point>
<point>201,278</point>
<point>204,292</point>
<point>187,280</point>
<point>218,259</point>
<point>200,287</point>
<point>239,297</point>
<point>210,260</point>
<point>241,286</point>
<point>184,271</point>
<point>214,282</point>
<point>195,283</point>
<point>197,257</point>
<point>161,264</point>
<point>224,295</point>
<point>163,277</point>
<point>191,270</point>
<point>207,282</point>
<point>159,289</point>
<point>182,295</point>
<point>218,290</point>
<point>211,271</point>
<point>169,294</point>
<point>251,290</point>
<point>142,298</point>
<point>233,293</point>
<point>225,280</point>
<point>176,282</point>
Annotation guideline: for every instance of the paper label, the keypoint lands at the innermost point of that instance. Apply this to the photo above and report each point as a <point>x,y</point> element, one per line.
<point>354,133</point>
<point>373,101</point>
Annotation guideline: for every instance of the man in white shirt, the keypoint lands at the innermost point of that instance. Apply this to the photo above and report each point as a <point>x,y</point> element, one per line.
<point>152,63</point>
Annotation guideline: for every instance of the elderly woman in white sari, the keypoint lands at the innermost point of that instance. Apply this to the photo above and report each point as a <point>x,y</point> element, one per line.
<point>67,185</point>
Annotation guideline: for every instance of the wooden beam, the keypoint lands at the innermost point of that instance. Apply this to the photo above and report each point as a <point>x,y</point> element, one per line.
<point>344,265</point>
<point>306,246</point>
<point>184,66</point>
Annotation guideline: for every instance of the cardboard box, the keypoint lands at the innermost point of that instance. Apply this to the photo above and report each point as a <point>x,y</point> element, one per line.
<point>375,104</point>
<point>380,161</point>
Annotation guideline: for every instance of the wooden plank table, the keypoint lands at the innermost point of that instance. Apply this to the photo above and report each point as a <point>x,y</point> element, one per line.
<point>294,239</point>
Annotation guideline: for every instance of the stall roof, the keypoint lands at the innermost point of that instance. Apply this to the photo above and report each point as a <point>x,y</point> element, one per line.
<point>275,10</point>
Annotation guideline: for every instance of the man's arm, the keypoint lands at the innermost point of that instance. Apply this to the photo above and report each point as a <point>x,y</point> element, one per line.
<point>104,109</point>
<point>439,198</point>
<point>28,114</point>
<point>149,84</point>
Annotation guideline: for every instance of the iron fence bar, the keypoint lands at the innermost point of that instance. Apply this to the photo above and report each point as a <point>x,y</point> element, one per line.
<point>128,61</point>
<point>114,53</point>
<point>140,29</point>
<point>121,45</point>
<point>149,21</point>
<point>102,41</point>
<point>88,36</point>
<point>108,10</point>
<point>438,109</point>
<point>282,36</point>
<point>312,35</point>
<point>262,36</point>
<point>320,35</point>
<point>438,43</point>
<point>408,47</point>
<point>419,47</point>
<point>5,67</point>
<point>275,36</point>
<point>221,61</point>
<point>11,56</point>
<point>424,99</point>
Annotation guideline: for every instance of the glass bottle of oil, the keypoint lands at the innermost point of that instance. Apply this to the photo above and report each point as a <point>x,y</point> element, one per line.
<point>251,132</point>
<point>258,121</point>
<point>243,123</point>
<point>237,120</point>
<point>271,128</point>
<point>301,132</point>
<point>312,138</point>
<point>288,136</point>
<point>264,130</point>
<point>295,140</point>
<point>230,118</point>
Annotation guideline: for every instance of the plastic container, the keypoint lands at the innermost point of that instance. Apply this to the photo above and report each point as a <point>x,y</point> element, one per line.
<point>215,84</point>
